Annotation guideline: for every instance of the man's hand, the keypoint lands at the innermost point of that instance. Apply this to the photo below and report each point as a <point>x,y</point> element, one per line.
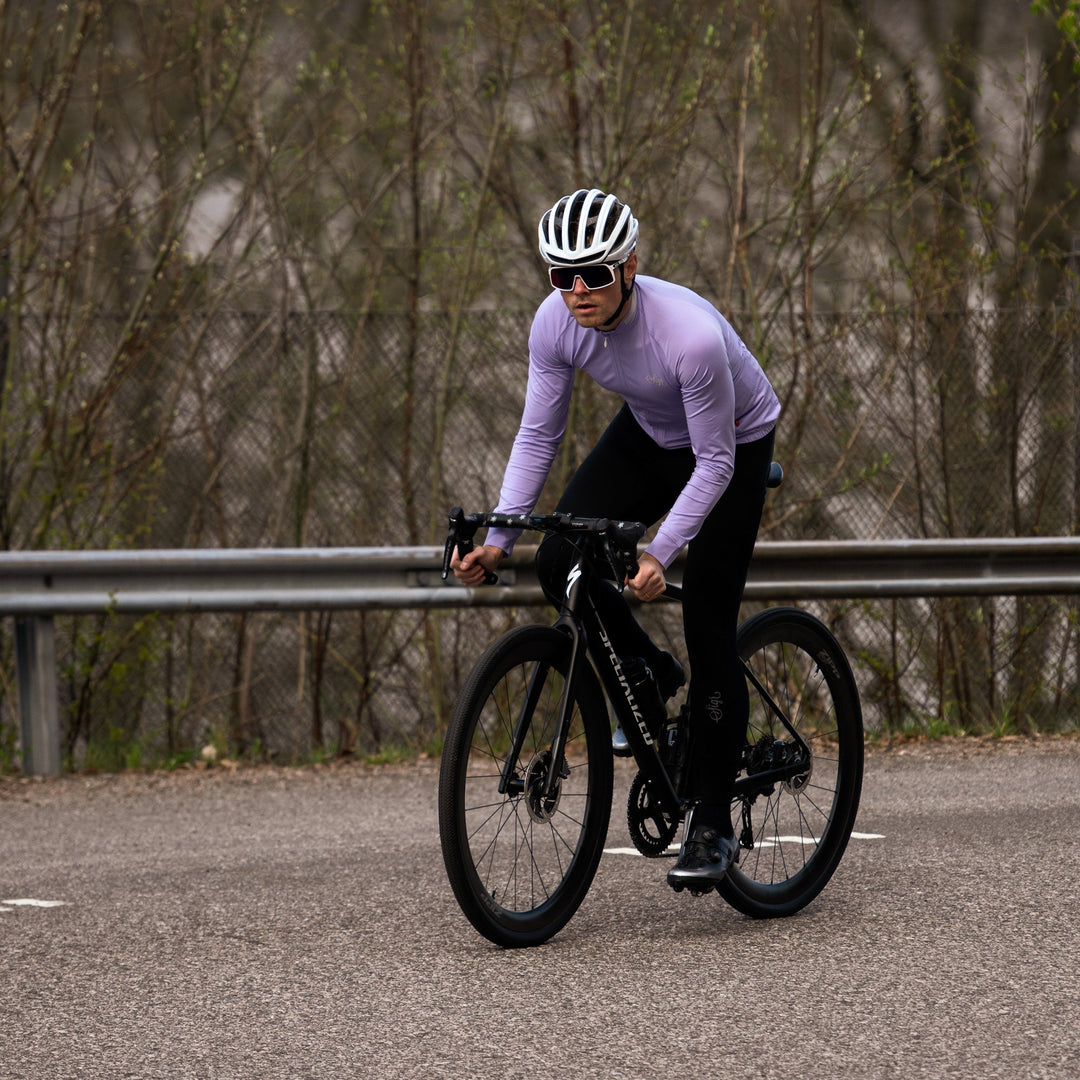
<point>649,582</point>
<point>470,570</point>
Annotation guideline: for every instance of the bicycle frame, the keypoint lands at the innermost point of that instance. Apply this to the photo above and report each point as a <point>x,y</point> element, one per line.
<point>589,639</point>
<point>582,623</point>
<point>751,784</point>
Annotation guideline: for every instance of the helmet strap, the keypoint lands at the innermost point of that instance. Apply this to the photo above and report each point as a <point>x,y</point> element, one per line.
<point>626,291</point>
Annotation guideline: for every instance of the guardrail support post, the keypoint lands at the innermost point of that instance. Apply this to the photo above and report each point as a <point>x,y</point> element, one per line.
<point>39,710</point>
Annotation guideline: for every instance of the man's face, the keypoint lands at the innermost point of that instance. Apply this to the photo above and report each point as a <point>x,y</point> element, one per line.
<point>592,308</point>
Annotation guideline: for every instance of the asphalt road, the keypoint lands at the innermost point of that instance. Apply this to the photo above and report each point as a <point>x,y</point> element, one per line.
<point>297,924</point>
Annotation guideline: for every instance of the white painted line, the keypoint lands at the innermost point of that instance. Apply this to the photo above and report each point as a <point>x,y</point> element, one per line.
<point>806,841</point>
<point>634,851</point>
<point>32,903</point>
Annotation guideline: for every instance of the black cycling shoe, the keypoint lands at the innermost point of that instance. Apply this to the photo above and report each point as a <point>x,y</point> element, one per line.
<point>669,679</point>
<point>704,860</point>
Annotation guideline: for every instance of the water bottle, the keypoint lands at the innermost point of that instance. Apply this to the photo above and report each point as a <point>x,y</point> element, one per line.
<point>646,693</point>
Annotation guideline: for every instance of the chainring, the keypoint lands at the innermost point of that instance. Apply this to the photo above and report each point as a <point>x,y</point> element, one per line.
<point>651,829</point>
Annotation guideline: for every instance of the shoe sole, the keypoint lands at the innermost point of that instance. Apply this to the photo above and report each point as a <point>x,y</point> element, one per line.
<point>703,885</point>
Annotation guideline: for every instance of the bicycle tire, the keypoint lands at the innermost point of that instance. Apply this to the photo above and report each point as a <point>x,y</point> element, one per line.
<point>520,864</point>
<point>800,827</point>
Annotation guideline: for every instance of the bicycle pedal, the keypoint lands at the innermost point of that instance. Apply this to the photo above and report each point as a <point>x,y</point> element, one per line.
<point>694,890</point>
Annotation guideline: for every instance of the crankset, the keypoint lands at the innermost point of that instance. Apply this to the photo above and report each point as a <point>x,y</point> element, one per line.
<point>651,828</point>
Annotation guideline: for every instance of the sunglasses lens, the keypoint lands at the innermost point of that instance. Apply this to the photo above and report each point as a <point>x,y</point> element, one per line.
<point>597,277</point>
<point>594,276</point>
<point>562,278</point>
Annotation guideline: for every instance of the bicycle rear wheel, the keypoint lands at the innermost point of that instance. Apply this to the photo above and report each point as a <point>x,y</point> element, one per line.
<point>521,862</point>
<point>798,828</point>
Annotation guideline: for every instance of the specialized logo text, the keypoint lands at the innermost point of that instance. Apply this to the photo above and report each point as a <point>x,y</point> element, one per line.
<point>624,683</point>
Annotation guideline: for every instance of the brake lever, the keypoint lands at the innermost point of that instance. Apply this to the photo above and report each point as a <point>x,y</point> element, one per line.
<point>460,535</point>
<point>451,536</point>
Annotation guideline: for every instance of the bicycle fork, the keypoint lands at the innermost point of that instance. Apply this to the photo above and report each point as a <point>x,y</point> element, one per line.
<point>509,782</point>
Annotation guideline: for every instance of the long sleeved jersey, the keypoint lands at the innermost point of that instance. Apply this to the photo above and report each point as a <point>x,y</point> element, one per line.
<point>686,376</point>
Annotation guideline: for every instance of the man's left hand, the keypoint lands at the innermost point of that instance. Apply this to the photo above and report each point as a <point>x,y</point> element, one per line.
<point>649,582</point>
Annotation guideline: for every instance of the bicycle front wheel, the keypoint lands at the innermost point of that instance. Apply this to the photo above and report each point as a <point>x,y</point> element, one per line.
<point>520,861</point>
<point>797,828</point>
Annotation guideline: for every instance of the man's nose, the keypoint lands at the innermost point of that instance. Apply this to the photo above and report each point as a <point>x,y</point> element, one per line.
<point>579,285</point>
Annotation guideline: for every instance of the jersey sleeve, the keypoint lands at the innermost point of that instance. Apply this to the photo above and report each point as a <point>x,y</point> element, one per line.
<point>708,394</point>
<point>543,425</point>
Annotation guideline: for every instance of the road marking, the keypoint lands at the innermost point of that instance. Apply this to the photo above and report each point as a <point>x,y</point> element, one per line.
<point>804,840</point>
<point>7,906</point>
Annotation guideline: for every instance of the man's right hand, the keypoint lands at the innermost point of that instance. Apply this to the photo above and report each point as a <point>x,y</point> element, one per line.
<point>471,569</point>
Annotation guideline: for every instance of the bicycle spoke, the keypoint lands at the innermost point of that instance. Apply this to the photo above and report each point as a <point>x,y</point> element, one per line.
<point>799,824</point>
<point>520,860</point>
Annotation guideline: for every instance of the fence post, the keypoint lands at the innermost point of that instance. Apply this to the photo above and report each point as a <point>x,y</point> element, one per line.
<point>1074,339</point>
<point>5,365</point>
<point>39,710</point>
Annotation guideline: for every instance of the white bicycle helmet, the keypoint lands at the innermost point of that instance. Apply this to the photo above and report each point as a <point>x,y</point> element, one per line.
<point>587,227</point>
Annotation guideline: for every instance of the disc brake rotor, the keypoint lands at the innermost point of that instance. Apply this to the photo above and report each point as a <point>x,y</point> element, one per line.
<point>542,809</point>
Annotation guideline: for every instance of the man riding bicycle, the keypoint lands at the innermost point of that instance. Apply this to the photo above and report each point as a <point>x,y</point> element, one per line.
<point>693,441</point>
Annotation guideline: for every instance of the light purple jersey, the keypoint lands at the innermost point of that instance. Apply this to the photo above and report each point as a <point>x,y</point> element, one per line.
<point>685,374</point>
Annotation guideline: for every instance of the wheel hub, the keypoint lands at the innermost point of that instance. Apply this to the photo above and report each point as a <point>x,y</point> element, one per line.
<point>542,809</point>
<point>767,755</point>
<point>800,780</point>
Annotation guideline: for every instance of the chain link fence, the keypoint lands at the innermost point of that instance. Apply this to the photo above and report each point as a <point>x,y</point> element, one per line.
<point>234,430</point>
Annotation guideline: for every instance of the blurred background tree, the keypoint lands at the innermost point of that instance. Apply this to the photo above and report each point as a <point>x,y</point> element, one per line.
<point>267,272</point>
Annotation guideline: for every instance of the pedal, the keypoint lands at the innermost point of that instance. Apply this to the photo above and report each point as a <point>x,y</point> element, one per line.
<point>694,890</point>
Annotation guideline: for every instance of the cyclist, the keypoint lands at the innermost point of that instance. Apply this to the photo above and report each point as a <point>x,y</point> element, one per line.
<point>692,441</point>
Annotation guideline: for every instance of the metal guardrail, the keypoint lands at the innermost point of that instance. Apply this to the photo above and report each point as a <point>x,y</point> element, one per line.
<point>37,586</point>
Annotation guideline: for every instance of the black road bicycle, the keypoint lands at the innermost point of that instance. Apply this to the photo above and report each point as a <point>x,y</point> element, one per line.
<point>525,787</point>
